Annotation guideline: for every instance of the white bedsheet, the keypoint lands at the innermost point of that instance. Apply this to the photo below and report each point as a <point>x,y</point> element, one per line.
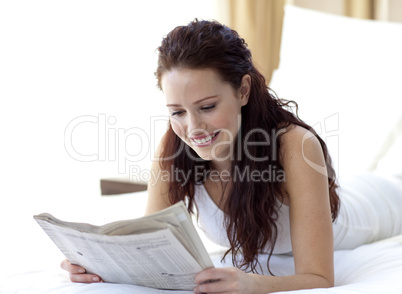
<point>30,261</point>
<point>373,268</point>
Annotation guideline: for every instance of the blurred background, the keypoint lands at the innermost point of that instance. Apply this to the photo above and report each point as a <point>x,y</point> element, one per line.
<point>78,94</point>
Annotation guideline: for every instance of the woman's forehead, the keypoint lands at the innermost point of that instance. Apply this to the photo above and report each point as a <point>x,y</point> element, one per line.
<point>192,84</point>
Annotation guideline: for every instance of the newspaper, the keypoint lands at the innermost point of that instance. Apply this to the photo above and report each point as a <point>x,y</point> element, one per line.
<point>161,251</point>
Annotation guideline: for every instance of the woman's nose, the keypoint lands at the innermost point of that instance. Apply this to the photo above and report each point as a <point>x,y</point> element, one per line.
<point>195,125</point>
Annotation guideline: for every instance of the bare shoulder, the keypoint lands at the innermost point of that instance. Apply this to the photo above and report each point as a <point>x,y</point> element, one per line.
<point>296,134</point>
<point>298,142</point>
<point>302,157</point>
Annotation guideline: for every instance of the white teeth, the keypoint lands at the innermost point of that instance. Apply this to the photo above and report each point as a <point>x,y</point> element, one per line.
<point>204,140</point>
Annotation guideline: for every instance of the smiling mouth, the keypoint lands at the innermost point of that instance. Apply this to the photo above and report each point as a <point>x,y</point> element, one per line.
<point>206,139</point>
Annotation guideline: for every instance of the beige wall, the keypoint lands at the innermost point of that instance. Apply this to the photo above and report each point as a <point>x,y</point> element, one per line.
<point>329,6</point>
<point>386,10</point>
<point>395,10</point>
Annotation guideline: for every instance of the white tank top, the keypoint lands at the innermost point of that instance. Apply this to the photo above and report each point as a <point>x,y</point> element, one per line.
<point>211,221</point>
<point>371,208</point>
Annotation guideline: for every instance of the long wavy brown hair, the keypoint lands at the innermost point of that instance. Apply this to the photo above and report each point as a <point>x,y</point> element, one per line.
<point>251,208</point>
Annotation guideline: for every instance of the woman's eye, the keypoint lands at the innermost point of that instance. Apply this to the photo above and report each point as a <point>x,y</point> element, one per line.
<point>208,107</point>
<point>176,113</point>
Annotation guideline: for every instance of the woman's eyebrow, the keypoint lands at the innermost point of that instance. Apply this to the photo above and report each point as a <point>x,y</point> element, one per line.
<point>196,102</point>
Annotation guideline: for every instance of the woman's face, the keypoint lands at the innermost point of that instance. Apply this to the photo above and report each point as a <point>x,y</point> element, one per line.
<point>205,112</point>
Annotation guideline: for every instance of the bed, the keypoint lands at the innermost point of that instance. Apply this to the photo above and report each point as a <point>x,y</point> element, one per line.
<point>345,74</point>
<point>372,268</point>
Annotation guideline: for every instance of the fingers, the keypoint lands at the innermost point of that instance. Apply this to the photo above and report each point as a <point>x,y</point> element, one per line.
<point>85,278</point>
<point>72,268</point>
<point>208,274</point>
<point>223,280</point>
<point>213,287</point>
<point>210,280</point>
<point>77,273</point>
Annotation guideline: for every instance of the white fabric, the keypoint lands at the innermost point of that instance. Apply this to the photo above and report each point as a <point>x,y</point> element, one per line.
<point>211,219</point>
<point>391,162</point>
<point>345,75</point>
<point>371,207</point>
<point>369,269</point>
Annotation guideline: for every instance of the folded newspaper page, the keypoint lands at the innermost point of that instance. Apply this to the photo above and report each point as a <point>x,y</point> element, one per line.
<point>161,251</point>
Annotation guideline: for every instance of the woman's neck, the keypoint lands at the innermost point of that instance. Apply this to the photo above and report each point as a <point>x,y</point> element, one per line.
<point>221,165</point>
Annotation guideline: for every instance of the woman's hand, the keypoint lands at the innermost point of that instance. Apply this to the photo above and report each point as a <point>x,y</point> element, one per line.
<point>224,280</point>
<point>77,273</point>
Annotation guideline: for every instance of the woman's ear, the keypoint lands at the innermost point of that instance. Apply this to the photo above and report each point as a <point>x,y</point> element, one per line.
<point>245,87</point>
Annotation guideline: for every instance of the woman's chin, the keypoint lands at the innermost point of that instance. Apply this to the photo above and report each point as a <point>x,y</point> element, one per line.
<point>209,156</point>
<point>210,153</point>
<point>206,157</point>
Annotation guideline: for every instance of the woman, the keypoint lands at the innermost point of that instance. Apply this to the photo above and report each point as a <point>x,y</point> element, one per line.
<point>260,178</point>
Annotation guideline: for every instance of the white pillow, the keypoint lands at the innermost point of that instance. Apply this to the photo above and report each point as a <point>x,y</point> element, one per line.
<point>345,75</point>
<point>391,161</point>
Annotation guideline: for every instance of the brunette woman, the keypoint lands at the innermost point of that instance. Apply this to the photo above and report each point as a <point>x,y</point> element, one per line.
<point>260,179</point>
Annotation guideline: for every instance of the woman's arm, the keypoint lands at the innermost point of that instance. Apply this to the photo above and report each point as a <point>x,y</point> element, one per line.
<point>310,223</point>
<point>157,187</point>
<point>309,204</point>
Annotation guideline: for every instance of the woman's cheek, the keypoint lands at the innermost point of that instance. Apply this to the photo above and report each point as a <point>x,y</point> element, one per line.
<point>178,129</point>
